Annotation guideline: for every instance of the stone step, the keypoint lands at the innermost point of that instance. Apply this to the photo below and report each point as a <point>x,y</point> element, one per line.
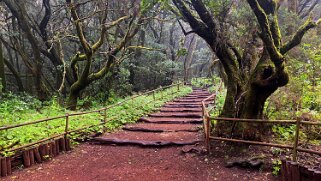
<point>176,114</point>
<point>187,103</point>
<point>149,139</point>
<point>143,143</point>
<point>191,110</point>
<point>170,120</point>
<point>198,96</point>
<point>191,100</point>
<point>199,106</point>
<point>150,127</point>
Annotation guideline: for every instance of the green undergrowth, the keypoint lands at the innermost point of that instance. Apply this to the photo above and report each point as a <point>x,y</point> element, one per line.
<point>211,83</point>
<point>21,109</point>
<point>202,82</point>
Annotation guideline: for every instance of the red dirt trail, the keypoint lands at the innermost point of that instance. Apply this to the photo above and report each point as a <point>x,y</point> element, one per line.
<point>163,146</point>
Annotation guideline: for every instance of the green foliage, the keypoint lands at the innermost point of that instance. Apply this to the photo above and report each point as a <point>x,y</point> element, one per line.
<point>182,52</point>
<point>276,167</point>
<point>285,133</point>
<point>202,82</point>
<point>16,103</point>
<point>156,70</point>
<point>22,109</point>
<point>146,5</point>
<point>213,85</point>
<point>218,6</point>
<point>220,99</point>
<point>301,97</point>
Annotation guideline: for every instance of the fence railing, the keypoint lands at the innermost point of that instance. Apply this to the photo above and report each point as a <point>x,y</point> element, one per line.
<point>295,148</point>
<point>102,111</point>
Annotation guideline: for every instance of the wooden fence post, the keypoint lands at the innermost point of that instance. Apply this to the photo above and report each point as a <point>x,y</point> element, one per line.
<point>178,86</point>
<point>37,155</point>
<point>204,125</point>
<point>208,128</point>
<point>154,97</point>
<point>3,167</point>
<point>66,126</point>
<point>296,141</point>
<point>105,120</point>
<point>26,158</point>
<point>9,169</point>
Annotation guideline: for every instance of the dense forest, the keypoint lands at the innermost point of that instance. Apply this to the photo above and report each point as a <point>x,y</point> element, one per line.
<point>77,50</point>
<point>116,47</point>
<point>65,56</point>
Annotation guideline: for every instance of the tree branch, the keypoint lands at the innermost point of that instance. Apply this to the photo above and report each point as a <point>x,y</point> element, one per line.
<point>194,23</point>
<point>236,52</point>
<point>79,27</point>
<point>104,30</point>
<point>131,32</point>
<point>266,34</point>
<point>204,14</point>
<point>297,37</point>
<point>184,31</point>
<point>45,19</point>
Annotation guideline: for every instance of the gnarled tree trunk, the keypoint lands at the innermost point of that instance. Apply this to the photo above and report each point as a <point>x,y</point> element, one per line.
<point>250,79</point>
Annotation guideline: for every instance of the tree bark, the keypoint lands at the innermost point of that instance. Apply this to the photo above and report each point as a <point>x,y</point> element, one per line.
<point>2,71</point>
<point>74,94</point>
<point>189,57</point>
<point>15,74</point>
<point>293,6</point>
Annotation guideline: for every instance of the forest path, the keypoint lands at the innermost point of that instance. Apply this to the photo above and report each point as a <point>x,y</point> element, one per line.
<point>163,146</point>
<point>175,124</point>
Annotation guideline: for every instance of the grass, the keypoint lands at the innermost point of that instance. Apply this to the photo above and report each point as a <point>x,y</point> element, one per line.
<point>128,112</point>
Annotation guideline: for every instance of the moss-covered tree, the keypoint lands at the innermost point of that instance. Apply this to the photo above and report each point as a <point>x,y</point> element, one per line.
<point>250,79</point>
<point>81,62</point>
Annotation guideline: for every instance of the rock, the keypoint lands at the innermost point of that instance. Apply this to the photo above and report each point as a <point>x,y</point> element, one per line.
<point>189,149</point>
<point>256,164</point>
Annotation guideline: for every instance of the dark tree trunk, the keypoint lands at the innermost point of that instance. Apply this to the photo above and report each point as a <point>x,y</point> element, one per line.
<point>15,74</point>
<point>189,57</point>
<point>41,89</point>
<point>2,71</point>
<point>72,100</point>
